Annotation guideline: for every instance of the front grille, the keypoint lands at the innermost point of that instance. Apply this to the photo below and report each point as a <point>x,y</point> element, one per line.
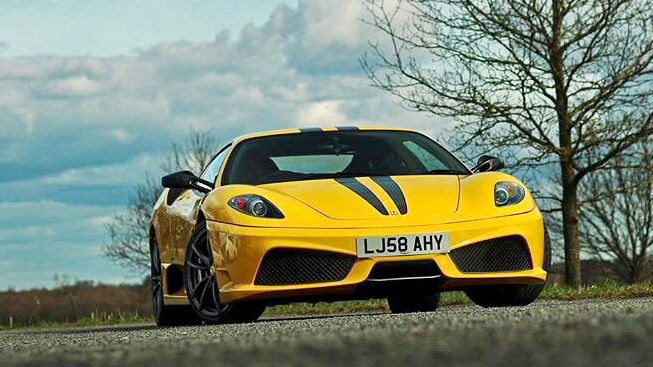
<point>497,255</point>
<point>404,269</point>
<point>292,266</point>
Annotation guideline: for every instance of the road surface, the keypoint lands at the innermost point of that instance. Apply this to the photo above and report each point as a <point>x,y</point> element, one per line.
<point>582,333</point>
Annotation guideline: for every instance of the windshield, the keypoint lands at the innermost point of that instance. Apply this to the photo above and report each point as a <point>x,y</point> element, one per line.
<point>334,154</point>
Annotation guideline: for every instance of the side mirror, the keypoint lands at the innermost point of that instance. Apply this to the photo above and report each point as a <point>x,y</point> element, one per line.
<point>186,180</point>
<point>488,163</point>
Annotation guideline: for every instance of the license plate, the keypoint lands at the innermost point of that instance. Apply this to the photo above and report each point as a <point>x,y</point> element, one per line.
<point>428,243</point>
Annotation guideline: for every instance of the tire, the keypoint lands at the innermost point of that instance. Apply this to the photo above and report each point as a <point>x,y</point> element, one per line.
<point>202,285</point>
<point>504,295</point>
<point>165,315</point>
<point>408,303</point>
<point>512,295</point>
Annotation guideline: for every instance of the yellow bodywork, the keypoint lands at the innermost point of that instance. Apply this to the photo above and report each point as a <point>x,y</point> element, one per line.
<point>324,215</point>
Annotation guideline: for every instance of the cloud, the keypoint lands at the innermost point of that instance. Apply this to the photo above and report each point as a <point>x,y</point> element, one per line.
<point>299,67</point>
<point>80,131</point>
<point>328,37</point>
<point>73,86</point>
<point>108,184</point>
<point>43,238</point>
<point>121,135</point>
<point>320,113</point>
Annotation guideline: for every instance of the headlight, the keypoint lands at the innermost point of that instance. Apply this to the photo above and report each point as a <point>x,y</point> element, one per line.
<point>508,193</point>
<point>255,206</point>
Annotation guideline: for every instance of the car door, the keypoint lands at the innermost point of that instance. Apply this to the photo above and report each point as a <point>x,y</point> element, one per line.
<point>183,210</point>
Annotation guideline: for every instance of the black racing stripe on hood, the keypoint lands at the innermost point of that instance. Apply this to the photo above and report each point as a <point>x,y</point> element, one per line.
<point>362,191</point>
<point>310,130</point>
<point>394,191</point>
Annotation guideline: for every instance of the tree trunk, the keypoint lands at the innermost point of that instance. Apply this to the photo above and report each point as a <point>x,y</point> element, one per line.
<point>569,184</point>
<point>570,226</point>
<point>636,272</point>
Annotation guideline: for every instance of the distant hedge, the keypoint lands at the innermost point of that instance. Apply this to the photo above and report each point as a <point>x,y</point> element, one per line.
<point>70,303</point>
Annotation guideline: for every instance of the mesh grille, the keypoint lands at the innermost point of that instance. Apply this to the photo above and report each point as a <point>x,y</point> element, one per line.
<point>291,266</point>
<point>501,254</point>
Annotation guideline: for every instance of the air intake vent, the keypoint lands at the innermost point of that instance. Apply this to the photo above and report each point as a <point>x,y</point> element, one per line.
<point>497,255</point>
<point>292,266</point>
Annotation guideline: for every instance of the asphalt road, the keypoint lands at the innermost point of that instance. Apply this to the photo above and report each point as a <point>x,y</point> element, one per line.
<point>585,333</point>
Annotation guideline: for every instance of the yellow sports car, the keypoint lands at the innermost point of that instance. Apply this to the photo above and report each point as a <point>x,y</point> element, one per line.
<point>328,214</point>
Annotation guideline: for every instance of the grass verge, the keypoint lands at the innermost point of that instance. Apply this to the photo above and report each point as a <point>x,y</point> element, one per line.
<point>607,290</point>
<point>87,322</point>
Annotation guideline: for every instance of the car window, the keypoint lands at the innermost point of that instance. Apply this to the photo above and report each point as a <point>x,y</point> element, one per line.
<point>337,154</point>
<point>428,159</point>
<point>213,168</point>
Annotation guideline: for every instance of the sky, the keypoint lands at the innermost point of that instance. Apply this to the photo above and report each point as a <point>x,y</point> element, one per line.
<point>92,93</point>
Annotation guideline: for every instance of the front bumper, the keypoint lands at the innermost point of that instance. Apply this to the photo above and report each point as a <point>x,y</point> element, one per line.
<point>238,252</point>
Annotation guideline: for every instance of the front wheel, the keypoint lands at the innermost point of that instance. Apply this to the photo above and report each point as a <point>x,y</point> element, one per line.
<point>415,302</point>
<point>504,295</point>
<point>202,285</point>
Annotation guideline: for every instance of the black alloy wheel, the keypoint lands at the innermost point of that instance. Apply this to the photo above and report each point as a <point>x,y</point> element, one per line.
<point>202,285</point>
<point>201,282</point>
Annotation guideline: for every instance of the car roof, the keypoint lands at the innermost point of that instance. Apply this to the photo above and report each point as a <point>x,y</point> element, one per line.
<point>313,130</point>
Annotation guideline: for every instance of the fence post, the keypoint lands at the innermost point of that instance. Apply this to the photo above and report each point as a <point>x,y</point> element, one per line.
<point>11,322</point>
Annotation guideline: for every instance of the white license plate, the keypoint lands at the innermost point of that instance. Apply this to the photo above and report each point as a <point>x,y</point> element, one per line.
<point>427,243</point>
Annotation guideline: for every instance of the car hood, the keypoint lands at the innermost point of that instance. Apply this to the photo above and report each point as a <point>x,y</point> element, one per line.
<point>376,197</point>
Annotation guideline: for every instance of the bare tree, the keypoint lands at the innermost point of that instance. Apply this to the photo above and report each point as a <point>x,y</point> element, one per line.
<point>193,154</point>
<point>128,230</point>
<point>619,229</point>
<point>560,83</point>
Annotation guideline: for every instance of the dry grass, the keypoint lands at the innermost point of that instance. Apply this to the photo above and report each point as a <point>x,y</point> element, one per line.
<point>605,290</point>
<point>83,302</point>
<point>93,305</point>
